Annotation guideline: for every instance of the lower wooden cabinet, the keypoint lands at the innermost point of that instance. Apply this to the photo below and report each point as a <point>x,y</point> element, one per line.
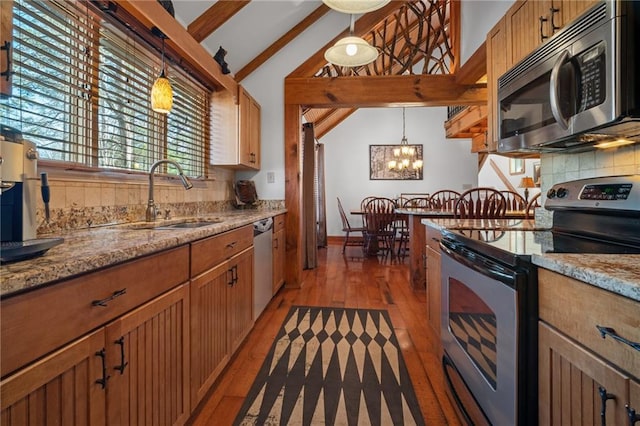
<point>132,371</point>
<point>59,389</point>
<point>581,374</point>
<point>221,313</point>
<point>279,252</point>
<point>148,361</point>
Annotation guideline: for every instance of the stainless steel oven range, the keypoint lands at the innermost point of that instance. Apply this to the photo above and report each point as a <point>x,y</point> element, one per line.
<point>489,294</point>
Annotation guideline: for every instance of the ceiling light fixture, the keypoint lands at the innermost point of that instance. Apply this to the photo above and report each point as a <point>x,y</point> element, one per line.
<point>405,156</point>
<point>355,6</point>
<point>351,51</point>
<point>161,92</point>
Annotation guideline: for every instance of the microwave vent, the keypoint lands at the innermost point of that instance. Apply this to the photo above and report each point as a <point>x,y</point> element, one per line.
<point>584,23</point>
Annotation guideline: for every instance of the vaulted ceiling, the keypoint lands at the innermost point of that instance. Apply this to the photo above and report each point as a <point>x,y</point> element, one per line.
<point>414,37</point>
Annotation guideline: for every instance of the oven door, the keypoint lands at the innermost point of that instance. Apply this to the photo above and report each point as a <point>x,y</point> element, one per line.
<point>479,327</point>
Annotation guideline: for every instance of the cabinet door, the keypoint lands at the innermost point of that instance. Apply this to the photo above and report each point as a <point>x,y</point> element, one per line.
<point>209,324</point>
<point>570,9</point>
<point>496,66</point>
<point>249,130</point>
<point>6,42</point>
<point>61,388</point>
<point>254,134</point>
<point>434,291</point>
<point>524,28</point>
<point>569,382</point>
<point>278,260</point>
<point>241,298</point>
<point>148,353</point>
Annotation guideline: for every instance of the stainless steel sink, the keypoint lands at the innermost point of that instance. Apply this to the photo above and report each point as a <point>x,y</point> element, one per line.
<point>173,224</point>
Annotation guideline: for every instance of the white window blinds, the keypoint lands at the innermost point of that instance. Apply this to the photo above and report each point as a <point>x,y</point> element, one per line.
<point>81,93</point>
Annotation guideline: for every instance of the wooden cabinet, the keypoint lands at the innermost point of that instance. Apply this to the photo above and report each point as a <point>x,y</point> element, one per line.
<point>496,66</point>
<point>434,285</point>
<point>6,47</point>
<point>279,252</point>
<point>575,362</point>
<point>132,370</point>
<point>221,304</point>
<point>249,129</point>
<point>148,361</point>
<point>235,130</point>
<point>60,389</point>
<point>525,28</point>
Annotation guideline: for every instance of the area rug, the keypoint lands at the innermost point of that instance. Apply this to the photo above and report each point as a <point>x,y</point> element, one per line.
<point>333,366</point>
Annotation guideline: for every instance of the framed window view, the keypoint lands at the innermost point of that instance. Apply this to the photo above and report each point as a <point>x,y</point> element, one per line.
<point>516,166</point>
<point>536,173</point>
<point>385,165</point>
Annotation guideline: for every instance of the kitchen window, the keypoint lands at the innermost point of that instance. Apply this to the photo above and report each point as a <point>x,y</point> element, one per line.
<point>81,93</point>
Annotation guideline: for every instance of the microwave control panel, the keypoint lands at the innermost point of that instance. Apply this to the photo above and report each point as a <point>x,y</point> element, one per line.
<point>592,76</point>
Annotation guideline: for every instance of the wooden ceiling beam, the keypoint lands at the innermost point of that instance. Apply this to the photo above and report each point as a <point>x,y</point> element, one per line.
<point>214,17</point>
<point>330,121</point>
<point>362,26</point>
<point>474,68</point>
<point>381,91</point>
<point>281,42</point>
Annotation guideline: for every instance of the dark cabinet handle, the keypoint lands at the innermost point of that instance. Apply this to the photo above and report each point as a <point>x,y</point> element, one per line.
<point>631,414</point>
<point>553,11</point>
<point>123,363</point>
<point>232,281</point>
<point>103,302</point>
<point>6,46</point>
<point>103,381</point>
<point>604,397</point>
<point>232,244</point>
<point>235,274</point>
<point>608,331</point>
<point>542,21</point>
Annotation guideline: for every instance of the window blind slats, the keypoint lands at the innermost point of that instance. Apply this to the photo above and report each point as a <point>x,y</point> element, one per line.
<point>76,72</point>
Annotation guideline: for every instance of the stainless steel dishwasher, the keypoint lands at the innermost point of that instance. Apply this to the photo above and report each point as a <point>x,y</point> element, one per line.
<point>262,264</point>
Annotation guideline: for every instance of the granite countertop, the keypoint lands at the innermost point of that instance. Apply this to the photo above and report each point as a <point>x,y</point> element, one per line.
<point>93,248</point>
<point>618,273</point>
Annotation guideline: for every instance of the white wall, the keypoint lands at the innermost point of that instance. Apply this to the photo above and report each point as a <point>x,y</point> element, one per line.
<point>477,18</point>
<point>448,163</point>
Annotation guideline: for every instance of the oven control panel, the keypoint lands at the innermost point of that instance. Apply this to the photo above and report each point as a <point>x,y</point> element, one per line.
<point>613,193</point>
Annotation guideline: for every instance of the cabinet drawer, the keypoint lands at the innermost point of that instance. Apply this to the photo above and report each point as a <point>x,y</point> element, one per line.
<point>575,308</point>
<point>278,223</point>
<point>207,253</point>
<point>35,323</point>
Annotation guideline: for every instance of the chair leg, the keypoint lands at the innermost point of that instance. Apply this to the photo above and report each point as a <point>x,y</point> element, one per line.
<point>346,240</point>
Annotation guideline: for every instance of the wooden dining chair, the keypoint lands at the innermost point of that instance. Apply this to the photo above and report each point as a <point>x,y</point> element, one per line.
<point>515,201</point>
<point>348,229</point>
<point>444,200</point>
<point>480,203</point>
<point>379,223</point>
<point>531,206</point>
<point>365,200</point>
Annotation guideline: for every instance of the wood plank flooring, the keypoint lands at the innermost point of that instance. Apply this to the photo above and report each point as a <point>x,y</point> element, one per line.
<point>350,281</point>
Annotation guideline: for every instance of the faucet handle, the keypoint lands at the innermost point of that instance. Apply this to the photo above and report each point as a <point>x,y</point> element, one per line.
<point>167,214</point>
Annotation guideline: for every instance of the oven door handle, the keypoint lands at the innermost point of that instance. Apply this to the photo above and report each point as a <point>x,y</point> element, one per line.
<point>477,262</point>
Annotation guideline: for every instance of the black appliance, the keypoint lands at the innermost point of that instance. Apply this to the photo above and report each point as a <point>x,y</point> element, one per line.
<point>489,293</point>
<point>580,87</point>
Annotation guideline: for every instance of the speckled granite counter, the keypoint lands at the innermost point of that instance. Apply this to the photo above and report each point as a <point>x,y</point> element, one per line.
<point>94,248</point>
<point>614,272</point>
<point>451,223</point>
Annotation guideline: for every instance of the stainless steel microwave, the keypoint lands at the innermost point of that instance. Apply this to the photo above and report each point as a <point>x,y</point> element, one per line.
<point>580,87</point>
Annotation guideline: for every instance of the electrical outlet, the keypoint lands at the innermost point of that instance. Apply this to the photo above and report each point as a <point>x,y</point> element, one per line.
<point>271,177</point>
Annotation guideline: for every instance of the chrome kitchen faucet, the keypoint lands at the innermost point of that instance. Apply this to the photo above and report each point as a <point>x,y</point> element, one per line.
<point>152,211</point>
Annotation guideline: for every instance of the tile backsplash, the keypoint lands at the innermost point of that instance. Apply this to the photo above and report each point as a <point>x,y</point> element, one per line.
<point>79,202</point>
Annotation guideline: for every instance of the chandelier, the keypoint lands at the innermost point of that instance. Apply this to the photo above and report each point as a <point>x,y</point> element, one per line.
<point>404,155</point>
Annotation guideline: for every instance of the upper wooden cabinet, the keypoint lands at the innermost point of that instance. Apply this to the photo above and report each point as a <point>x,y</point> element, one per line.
<point>235,130</point>
<point>496,66</point>
<point>6,47</point>
<point>249,129</point>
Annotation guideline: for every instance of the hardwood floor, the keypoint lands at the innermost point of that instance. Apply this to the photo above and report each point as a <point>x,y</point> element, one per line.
<point>350,281</point>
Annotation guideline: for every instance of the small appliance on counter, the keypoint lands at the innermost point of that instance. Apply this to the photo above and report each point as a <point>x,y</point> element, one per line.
<point>18,192</point>
<point>246,194</point>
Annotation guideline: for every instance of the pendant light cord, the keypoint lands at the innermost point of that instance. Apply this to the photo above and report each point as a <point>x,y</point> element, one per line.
<point>404,138</point>
<point>163,65</point>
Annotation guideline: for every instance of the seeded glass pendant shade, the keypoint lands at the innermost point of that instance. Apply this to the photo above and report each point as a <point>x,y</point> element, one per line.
<point>355,6</point>
<point>161,92</point>
<point>404,155</point>
<point>351,51</point>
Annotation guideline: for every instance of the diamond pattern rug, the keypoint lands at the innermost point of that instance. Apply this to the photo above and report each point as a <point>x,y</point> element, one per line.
<point>333,366</point>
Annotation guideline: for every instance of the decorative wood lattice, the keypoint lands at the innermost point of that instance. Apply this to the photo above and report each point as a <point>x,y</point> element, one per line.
<point>417,33</point>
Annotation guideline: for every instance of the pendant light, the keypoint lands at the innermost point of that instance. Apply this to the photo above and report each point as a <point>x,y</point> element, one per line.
<point>355,6</point>
<point>351,51</point>
<point>161,92</point>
